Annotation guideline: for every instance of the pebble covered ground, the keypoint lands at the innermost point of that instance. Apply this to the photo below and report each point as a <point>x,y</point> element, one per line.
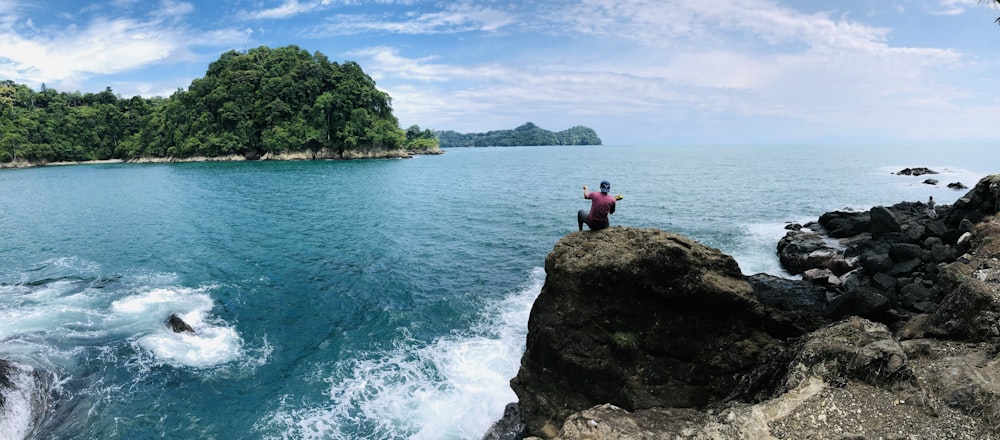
<point>860,411</point>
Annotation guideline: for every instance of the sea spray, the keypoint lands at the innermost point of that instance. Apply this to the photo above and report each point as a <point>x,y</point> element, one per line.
<point>451,388</point>
<point>25,400</point>
<point>213,342</point>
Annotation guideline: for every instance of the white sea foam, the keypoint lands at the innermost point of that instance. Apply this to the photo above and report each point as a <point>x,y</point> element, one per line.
<point>53,319</point>
<point>453,388</point>
<point>211,344</point>
<point>18,415</point>
<point>50,308</point>
<point>208,346</point>
<point>756,251</point>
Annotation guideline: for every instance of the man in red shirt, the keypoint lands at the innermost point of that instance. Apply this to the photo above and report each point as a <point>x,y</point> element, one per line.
<point>601,205</point>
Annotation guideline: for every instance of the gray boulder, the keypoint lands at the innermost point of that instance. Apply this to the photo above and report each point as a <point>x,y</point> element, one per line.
<point>883,221</point>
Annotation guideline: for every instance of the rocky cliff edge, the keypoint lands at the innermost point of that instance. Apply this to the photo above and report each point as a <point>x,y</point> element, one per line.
<point>645,334</point>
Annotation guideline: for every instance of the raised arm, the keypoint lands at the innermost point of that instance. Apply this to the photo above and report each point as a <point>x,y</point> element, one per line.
<point>585,191</point>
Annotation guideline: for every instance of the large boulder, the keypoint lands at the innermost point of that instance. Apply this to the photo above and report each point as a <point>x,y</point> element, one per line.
<point>638,318</point>
<point>800,251</point>
<point>883,221</point>
<point>853,349</point>
<point>970,312</point>
<point>980,201</point>
<point>965,376</point>
<point>840,224</point>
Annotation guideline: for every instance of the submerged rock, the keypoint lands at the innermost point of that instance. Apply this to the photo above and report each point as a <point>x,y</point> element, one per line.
<point>178,325</point>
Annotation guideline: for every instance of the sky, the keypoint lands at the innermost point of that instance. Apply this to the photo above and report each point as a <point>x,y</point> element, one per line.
<point>637,71</point>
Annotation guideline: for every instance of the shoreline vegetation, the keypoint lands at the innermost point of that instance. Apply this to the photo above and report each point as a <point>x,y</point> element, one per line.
<point>261,104</point>
<point>296,156</point>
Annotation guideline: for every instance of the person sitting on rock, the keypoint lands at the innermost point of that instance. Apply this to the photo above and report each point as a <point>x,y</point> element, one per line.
<point>601,206</point>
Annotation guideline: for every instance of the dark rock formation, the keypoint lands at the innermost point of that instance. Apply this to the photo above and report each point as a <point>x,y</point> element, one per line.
<point>957,185</point>
<point>178,325</point>
<point>639,318</point>
<point>981,201</point>
<point>510,427</point>
<point>853,349</point>
<point>931,181</point>
<point>643,334</point>
<point>886,271</point>
<point>919,171</point>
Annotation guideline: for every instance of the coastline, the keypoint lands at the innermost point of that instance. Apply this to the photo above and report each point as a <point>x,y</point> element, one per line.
<point>323,154</point>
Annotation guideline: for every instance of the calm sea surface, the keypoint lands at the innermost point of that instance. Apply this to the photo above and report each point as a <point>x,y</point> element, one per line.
<point>382,299</point>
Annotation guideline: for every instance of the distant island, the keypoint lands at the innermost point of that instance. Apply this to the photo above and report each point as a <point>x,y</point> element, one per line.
<point>528,134</point>
<point>277,104</point>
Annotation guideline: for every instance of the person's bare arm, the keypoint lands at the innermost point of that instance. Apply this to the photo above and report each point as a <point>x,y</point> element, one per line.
<point>585,191</point>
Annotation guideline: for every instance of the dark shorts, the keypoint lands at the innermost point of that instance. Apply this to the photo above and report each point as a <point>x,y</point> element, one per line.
<point>581,218</point>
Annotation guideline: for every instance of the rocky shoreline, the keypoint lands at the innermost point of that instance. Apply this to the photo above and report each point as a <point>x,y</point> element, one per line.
<point>892,332</point>
<point>323,154</point>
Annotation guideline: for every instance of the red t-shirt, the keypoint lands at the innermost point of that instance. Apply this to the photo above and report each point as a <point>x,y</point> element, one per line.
<point>600,206</point>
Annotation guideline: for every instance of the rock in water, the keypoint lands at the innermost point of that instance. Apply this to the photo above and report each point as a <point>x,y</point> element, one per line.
<point>918,171</point>
<point>638,318</point>
<point>178,325</point>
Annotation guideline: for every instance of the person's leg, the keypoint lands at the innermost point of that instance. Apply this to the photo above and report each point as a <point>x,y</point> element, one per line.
<point>581,217</point>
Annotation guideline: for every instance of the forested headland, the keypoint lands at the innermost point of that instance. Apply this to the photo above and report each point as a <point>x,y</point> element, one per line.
<point>261,103</point>
<point>528,134</point>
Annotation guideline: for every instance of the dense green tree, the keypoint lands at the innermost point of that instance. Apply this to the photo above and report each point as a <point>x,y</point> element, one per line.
<point>420,140</point>
<point>8,95</point>
<point>262,101</point>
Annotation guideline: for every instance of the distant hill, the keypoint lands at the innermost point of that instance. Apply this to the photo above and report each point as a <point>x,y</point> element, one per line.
<point>526,135</point>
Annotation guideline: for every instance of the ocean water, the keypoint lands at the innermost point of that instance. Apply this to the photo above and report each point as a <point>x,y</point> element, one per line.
<point>382,299</point>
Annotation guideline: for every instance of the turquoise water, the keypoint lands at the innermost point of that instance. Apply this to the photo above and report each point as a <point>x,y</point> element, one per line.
<point>365,299</point>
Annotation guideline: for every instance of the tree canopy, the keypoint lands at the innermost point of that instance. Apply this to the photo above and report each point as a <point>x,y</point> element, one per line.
<point>528,134</point>
<point>262,101</point>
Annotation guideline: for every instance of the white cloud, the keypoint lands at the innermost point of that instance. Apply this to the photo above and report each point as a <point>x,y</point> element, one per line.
<point>103,47</point>
<point>955,7</point>
<point>738,60</point>
<point>454,18</point>
<point>69,54</point>
<point>387,63</point>
<point>287,9</point>
<point>175,8</point>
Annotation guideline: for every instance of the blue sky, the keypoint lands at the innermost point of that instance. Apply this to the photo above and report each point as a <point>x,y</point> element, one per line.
<point>637,71</point>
